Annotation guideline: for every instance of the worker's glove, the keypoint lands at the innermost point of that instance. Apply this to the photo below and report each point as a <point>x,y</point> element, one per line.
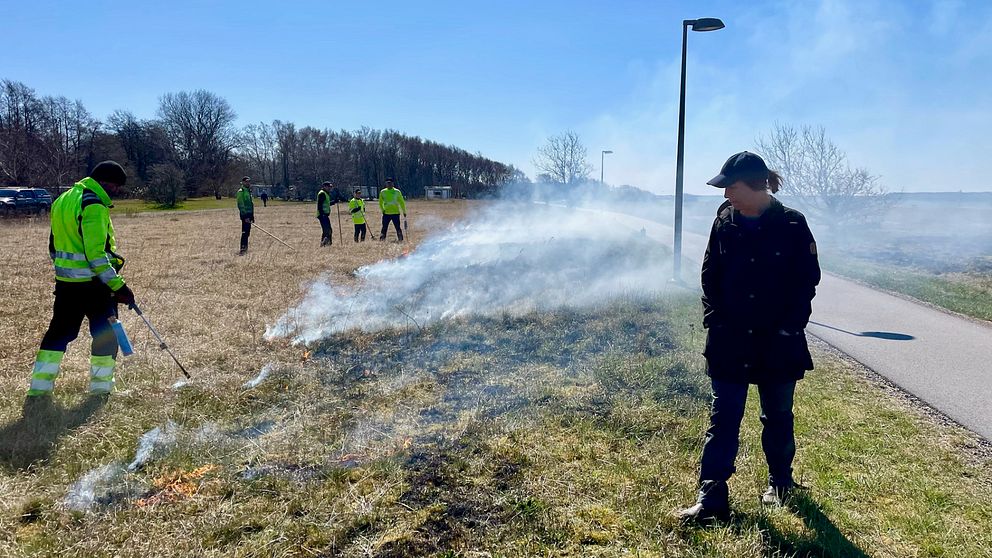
<point>124,295</point>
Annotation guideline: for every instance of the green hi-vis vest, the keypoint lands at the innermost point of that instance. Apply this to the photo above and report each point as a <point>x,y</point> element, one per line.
<point>82,242</point>
<point>245,204</point>
<point>323,203</point>
<point>391,201</point>
<point>356,207</point>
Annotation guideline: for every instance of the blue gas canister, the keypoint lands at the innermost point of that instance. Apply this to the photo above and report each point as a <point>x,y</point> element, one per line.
<point>122,340</point>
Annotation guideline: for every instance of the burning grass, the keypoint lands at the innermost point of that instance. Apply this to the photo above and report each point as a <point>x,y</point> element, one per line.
<point>565,432</point>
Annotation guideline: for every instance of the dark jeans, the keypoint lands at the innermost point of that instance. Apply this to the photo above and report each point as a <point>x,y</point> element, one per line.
<point>723,437</point>
<point>326,235</point>
<point>360,230</point>
<point>395,220</point>
<point>245,233</point>
<point>73,302</point>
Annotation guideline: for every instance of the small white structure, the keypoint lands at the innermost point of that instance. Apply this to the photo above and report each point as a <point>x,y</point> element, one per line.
<point>437,192</point>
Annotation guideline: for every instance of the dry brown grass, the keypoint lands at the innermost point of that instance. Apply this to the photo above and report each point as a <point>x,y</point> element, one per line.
<point>211,306</point>
<point>564,433</point>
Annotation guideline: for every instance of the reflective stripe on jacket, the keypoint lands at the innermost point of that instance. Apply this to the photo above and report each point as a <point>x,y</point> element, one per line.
<point>391,201</point>
<point>245,204</point>
<point>356,207</point>
<point>323,203</point>
<point>82,241</point>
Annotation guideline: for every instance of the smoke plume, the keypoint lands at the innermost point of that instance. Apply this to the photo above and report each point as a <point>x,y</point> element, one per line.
<point>512,257</point>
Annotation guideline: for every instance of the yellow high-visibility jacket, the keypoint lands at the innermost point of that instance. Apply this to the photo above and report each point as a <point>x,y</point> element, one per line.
<point>82,243</point>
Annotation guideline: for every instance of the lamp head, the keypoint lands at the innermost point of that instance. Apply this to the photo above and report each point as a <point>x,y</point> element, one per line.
<point>704,24</point>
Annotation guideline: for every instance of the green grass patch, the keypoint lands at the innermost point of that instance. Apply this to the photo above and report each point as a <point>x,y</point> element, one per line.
<point>134,206</point>
<point>968,293</point>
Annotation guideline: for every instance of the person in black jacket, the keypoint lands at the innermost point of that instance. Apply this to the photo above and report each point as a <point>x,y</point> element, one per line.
<point>759,277</point>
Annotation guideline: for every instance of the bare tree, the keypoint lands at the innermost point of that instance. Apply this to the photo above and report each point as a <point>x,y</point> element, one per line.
<point>261,149</point>
<point>817,174</point>
<point>563,159</point>
<point>200,126</point>
<point>145,143</point>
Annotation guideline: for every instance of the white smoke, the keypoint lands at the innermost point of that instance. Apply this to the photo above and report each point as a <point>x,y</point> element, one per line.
<point>513,257</point>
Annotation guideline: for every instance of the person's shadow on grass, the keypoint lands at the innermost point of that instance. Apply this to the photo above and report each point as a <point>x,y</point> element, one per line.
<point>825,539</point>
<point>32,437</point>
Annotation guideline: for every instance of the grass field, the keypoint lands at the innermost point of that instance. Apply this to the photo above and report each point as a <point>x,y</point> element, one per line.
<point>964,292</point>
<point>567,433</point>
<point>133,206</point>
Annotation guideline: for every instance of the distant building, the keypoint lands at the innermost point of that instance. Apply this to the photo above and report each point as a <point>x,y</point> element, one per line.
<point>438,192</point>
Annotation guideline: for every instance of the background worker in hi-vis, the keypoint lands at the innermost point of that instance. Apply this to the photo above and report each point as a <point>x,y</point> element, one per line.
<point>87,283</point>
<point>391,203</point>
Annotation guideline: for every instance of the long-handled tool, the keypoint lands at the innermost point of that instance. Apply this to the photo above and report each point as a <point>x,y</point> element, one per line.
<point>406,231</point>
<point>279,240</point>
<point>161,341</point>
<point>340,230</point>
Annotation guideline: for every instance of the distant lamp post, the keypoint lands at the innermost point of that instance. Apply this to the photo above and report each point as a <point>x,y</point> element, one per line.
<point>602,159</point>
<point>702,24</point>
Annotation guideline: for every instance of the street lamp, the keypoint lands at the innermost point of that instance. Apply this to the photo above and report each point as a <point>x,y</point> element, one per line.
<point>702,24</point>
<point>602,159</point>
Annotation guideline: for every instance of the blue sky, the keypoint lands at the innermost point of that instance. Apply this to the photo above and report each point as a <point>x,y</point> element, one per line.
<point>903,86</point>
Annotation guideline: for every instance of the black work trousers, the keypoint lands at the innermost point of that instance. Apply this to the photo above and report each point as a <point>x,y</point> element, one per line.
<point>723,437</point>
<point>245,232</point>
<point>326,234</point>
<point>395,220</point>
<point>360,230</point>
<point>74,301</point>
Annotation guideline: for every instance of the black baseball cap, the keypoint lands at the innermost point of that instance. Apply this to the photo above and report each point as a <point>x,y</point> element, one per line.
<point>745,166</point>
<point>110,172</point>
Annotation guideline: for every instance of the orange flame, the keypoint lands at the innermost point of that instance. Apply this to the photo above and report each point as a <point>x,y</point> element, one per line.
<point>176,485</point>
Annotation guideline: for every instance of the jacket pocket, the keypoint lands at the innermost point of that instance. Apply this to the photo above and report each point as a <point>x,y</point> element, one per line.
<point>788,353</point>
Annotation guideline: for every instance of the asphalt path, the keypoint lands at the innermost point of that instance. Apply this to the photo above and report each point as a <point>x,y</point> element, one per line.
<point>940,357</point>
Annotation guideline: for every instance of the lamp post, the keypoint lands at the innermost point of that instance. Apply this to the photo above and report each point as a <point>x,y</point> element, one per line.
<point>702,24</point>
<point>602,159</point>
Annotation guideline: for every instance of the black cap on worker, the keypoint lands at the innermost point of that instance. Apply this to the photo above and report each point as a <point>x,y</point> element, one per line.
<point>390,180</point>
<point>109,172</point>
<point>246,179</point>
<point>744,166</point>
<point>326,184</point>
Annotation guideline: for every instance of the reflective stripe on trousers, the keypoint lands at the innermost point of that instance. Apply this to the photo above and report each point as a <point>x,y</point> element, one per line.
<point>46,370</point>
<point>101,374</point>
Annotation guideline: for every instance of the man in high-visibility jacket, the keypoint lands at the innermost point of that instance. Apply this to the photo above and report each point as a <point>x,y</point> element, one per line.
<point>246,209</point>
<point>392,204</point>
<point>324,214</point>
<point>356,206</point>
<point>87,283</point>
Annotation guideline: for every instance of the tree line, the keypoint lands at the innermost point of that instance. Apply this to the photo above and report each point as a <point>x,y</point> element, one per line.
<point>193,147</point>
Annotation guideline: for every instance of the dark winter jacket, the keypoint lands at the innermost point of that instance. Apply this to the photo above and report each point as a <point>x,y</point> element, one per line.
<point>758,283</point>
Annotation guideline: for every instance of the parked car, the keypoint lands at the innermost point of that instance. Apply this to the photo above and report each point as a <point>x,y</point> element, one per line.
<point>24,200</point>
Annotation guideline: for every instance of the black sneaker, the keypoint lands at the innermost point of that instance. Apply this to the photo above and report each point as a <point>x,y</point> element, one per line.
<point>700,515</point>
<point>775,496</point>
